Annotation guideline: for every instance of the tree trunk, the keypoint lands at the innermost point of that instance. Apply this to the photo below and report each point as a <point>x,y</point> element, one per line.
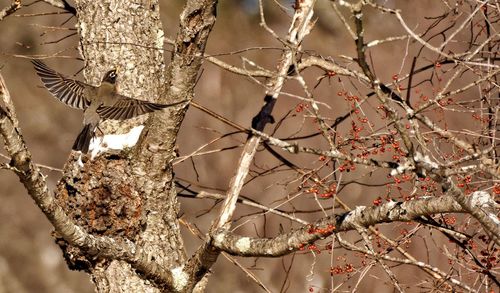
<point>120,195</point>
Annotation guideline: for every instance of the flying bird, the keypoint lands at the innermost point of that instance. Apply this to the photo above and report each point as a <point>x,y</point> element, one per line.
<point>98,103</point>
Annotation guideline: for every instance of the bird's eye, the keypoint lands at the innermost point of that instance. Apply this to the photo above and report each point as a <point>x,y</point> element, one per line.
<point>112,74</point>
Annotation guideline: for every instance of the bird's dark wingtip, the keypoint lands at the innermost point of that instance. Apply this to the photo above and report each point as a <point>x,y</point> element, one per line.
<point>37,62</point>
<point>40,66</point>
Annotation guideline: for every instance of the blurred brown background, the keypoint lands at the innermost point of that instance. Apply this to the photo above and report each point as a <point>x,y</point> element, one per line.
<point>29,259</point>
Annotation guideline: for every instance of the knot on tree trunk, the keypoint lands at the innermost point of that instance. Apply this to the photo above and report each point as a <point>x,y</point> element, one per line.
<point>102,198</point>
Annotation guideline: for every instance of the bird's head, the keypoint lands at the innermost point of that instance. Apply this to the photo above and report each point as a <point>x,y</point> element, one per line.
<point>110,77</point>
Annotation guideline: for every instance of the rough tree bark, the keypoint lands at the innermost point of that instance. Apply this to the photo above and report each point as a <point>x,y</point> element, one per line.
<point>131,195</point>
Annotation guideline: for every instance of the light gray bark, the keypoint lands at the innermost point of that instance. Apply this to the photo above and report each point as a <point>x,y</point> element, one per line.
<point>131,195</point>
<point>127,36</point>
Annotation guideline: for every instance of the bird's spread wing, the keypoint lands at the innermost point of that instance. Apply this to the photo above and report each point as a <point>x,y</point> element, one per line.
<point>69,91</point>
<point>126,108</point>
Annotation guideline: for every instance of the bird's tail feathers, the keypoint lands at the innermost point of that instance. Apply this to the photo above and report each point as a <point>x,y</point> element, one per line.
<point>82,142</point>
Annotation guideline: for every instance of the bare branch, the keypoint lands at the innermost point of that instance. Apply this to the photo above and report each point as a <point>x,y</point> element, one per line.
<point>299,28</point>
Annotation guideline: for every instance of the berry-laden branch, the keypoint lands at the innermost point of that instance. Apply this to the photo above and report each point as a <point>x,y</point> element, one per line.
<point>360,217</point>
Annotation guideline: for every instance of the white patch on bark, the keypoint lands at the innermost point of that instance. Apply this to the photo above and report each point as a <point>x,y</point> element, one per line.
<point>99,145</point>
<point>160,38</point>
<point>426,160</point>
<point>351,216</point>
<point>129,66</point>
<point>79,161</point>
<point>402,168</point>
<point>483,201</point>
<point>83,29</point>
<point>480,199</point>
<point>243,244</point>
<point>334,153</point>
<point>219,238</point>
<point>393,213</point>
<point>180,278</point>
